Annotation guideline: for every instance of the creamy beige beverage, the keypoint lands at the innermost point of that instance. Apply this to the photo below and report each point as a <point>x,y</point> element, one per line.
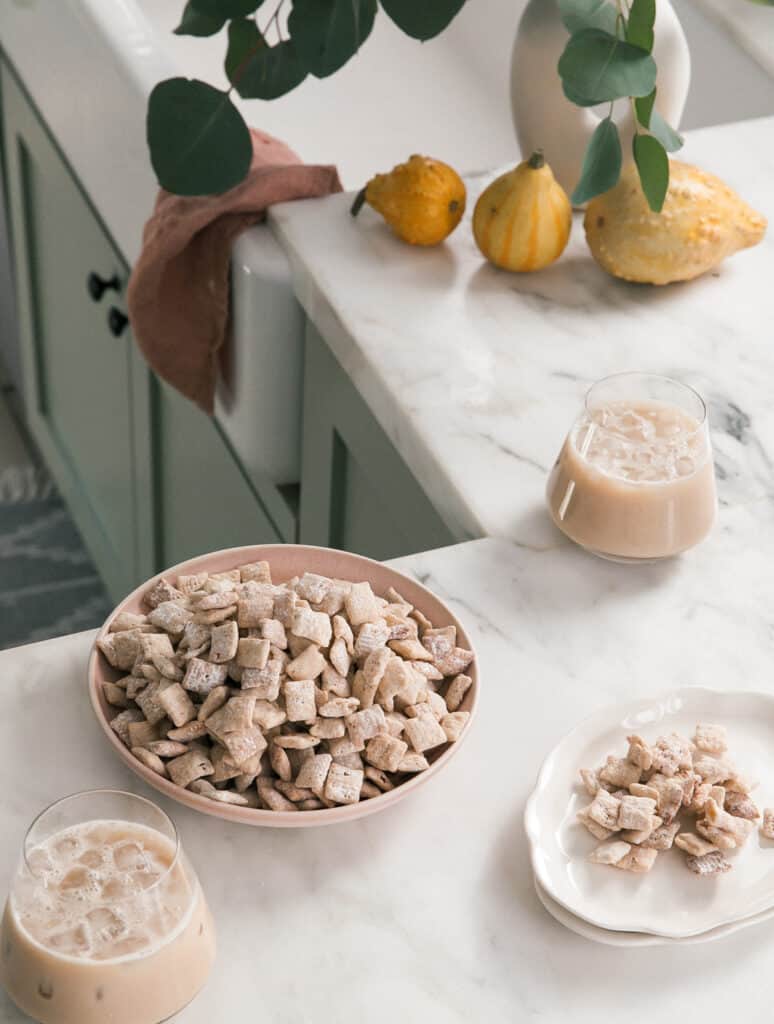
<point>105,925</point>
<point>635,480</point>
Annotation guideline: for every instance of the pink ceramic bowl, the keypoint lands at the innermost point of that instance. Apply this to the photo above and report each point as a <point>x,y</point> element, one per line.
<point>286,561</point>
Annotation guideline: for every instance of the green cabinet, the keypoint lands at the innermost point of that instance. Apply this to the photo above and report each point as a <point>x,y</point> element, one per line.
<point>148,478</point>
<point>356,492</point>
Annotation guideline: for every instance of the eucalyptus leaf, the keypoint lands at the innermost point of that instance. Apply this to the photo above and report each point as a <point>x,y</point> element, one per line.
<point>226,8</point>
<point>643,106</point>
<point>326,33</point>
<point>601,163</point>
<point>578,100</point>
<point>244,42</point>
<point>639,26</point>
<point>194,23</point>
<point>653,166</point>
<point>422,19</point>
<point>666,135</point>
<point>579,14</point>
<point>199,143</point>
<point>599,67</point>
<point>270,72</point>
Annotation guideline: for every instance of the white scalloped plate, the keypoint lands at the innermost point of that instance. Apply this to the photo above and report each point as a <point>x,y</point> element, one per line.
<point>628,940</point>
<point>670,901</point>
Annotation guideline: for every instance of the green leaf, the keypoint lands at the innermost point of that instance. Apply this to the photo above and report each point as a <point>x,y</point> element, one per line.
<point>269,72</point>
<point>666,135</point>
<point>600,67</point>
<point>326,33</point>
<point>579,14</point>
<point>194,23</point>
<point>653,165</point>
<point>601,163</point>
<point>244,42</point>
<point>226,8</point>
<point>576,98</point>
<point>422,19</point>
<point>199,143</point>
<point>639,27</point>
<point>643,105</point>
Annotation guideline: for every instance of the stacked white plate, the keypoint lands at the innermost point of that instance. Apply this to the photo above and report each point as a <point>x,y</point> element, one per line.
<point>670,904</point>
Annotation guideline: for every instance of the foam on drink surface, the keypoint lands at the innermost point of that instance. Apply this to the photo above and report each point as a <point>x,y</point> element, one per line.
<point>102,890</point>
<point>643,442</point>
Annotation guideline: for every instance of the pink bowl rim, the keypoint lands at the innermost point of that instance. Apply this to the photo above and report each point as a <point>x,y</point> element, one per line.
<point>256,816</point>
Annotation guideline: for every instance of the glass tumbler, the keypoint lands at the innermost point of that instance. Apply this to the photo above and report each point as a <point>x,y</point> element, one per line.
<point>105,920</point>
<point>634,481</point>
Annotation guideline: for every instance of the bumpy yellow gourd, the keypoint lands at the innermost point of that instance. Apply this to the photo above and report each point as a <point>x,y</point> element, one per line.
<point>702,221</point>
<point>422,200</point>
<point>522,220</point>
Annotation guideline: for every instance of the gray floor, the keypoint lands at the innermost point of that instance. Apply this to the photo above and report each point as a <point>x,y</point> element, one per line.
<point>48,583</point>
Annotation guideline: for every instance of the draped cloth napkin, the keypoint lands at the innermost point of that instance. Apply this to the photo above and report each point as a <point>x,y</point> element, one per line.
<point>178,293</point>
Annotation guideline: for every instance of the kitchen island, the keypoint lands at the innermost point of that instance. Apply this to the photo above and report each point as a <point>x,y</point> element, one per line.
<point>427,911</point>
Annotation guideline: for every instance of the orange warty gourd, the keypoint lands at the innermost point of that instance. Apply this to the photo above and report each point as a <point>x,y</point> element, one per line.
<point>701,223</point>
<point>422,200</point>
<point>522,221</point>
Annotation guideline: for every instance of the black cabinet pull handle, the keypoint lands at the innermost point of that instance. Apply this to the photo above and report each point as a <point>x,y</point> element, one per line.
<point>117,321</point>
<point>97,286</point>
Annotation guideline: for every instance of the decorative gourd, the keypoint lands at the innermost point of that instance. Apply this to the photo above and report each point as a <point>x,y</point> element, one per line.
<point>702,222</point>
<point>522,221</point>
<point>422,200</point>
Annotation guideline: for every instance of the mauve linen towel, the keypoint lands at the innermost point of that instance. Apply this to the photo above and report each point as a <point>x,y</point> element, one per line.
<point>178,294</point>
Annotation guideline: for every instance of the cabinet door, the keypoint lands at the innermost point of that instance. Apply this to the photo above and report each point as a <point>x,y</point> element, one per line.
<point>78,377</point>
<point>203,499</point>
<point>356,492</point>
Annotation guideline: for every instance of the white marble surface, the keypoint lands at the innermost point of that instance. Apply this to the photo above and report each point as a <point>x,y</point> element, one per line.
<point>475,374</point>
<point>427,912</point>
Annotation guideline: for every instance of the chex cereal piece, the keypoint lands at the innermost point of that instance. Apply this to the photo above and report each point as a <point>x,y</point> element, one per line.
<point>361,605</point>
<point>343,631</point>
<point>333,602</point>
<point>211,616</point>
<point>203,676</point>
<point>344,746</point>
<point>694,845</point>
<point>313,773</point>
<point>258,572</point>
<point>268,715</point>
<point>244,745</point>
<point>640,836</point>
<point>590,781</point>
<point>639,753</point>
<point>168,669</point>
<point>285,602</point>
<point>272,799</point>
<point>712,770</point>
<point>368,790</point>
<point>308,665</point>
<point>662,837</point>
<point>338,707</point>
<point>148,702</point>
<point>224,766</point>
<point>185,769</point>
<point>115,695</point>
<point>711,739</point>
<point>620,772</point>
<point>224,642</point>
<point>300,704</point>
<point>671,753</point>
<point>252,653</point>
<point>767,825</point>
<point>364,725</point>
<point>432,675</point>
<point>134,684</point>
<point>202,787</point>
<point>161,592</point>
<point>177,705</point>
<point>190,731</point>
<point>226,796</point>
<point>328,728</point>
<point>296,741</point>
<point>280,762</point>
<point>340,657</point>
<point>368,680</point>
<point>219,600</point>
<point>410,649</point>
<point>386,752</point>
<point>379,778</point>
<point>252,608</point>
<point>455,694</point>
<point>604,809</point>
<point>311,625</point>
<point>235,715</point>
<point>609,853</point>
<point>227,576</point>
<point>120,649</point>
<point>398,682</point>
<point>141,734</point>
<point>454,724</point>
<point>195,639</point>
<point>716,818</point>
<point>273,631</point>
<point>215,699</point>
<point>265,682</point>
<point>312,587</point>
<point>342,785</point>
<point>412,762</point>
<point>710,864</point>
<point>370,636</point>
<point>191,582</point>
<point>639,859</point>
<point>597,830</point>
<point>292,791</point>
<point>166,748</point>
<point>636,812</point>
<point>127,620</point>
<point>150,760</point>
<point>170,616</point>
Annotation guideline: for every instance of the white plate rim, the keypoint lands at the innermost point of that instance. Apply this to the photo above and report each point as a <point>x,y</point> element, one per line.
<point>532,821</point>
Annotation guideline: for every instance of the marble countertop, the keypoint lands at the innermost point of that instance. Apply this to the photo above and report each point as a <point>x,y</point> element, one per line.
<point>427,912</point>
<point>475,374</point>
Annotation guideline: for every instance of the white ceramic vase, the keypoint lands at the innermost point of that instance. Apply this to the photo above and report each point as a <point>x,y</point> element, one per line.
<point>545,119</point>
